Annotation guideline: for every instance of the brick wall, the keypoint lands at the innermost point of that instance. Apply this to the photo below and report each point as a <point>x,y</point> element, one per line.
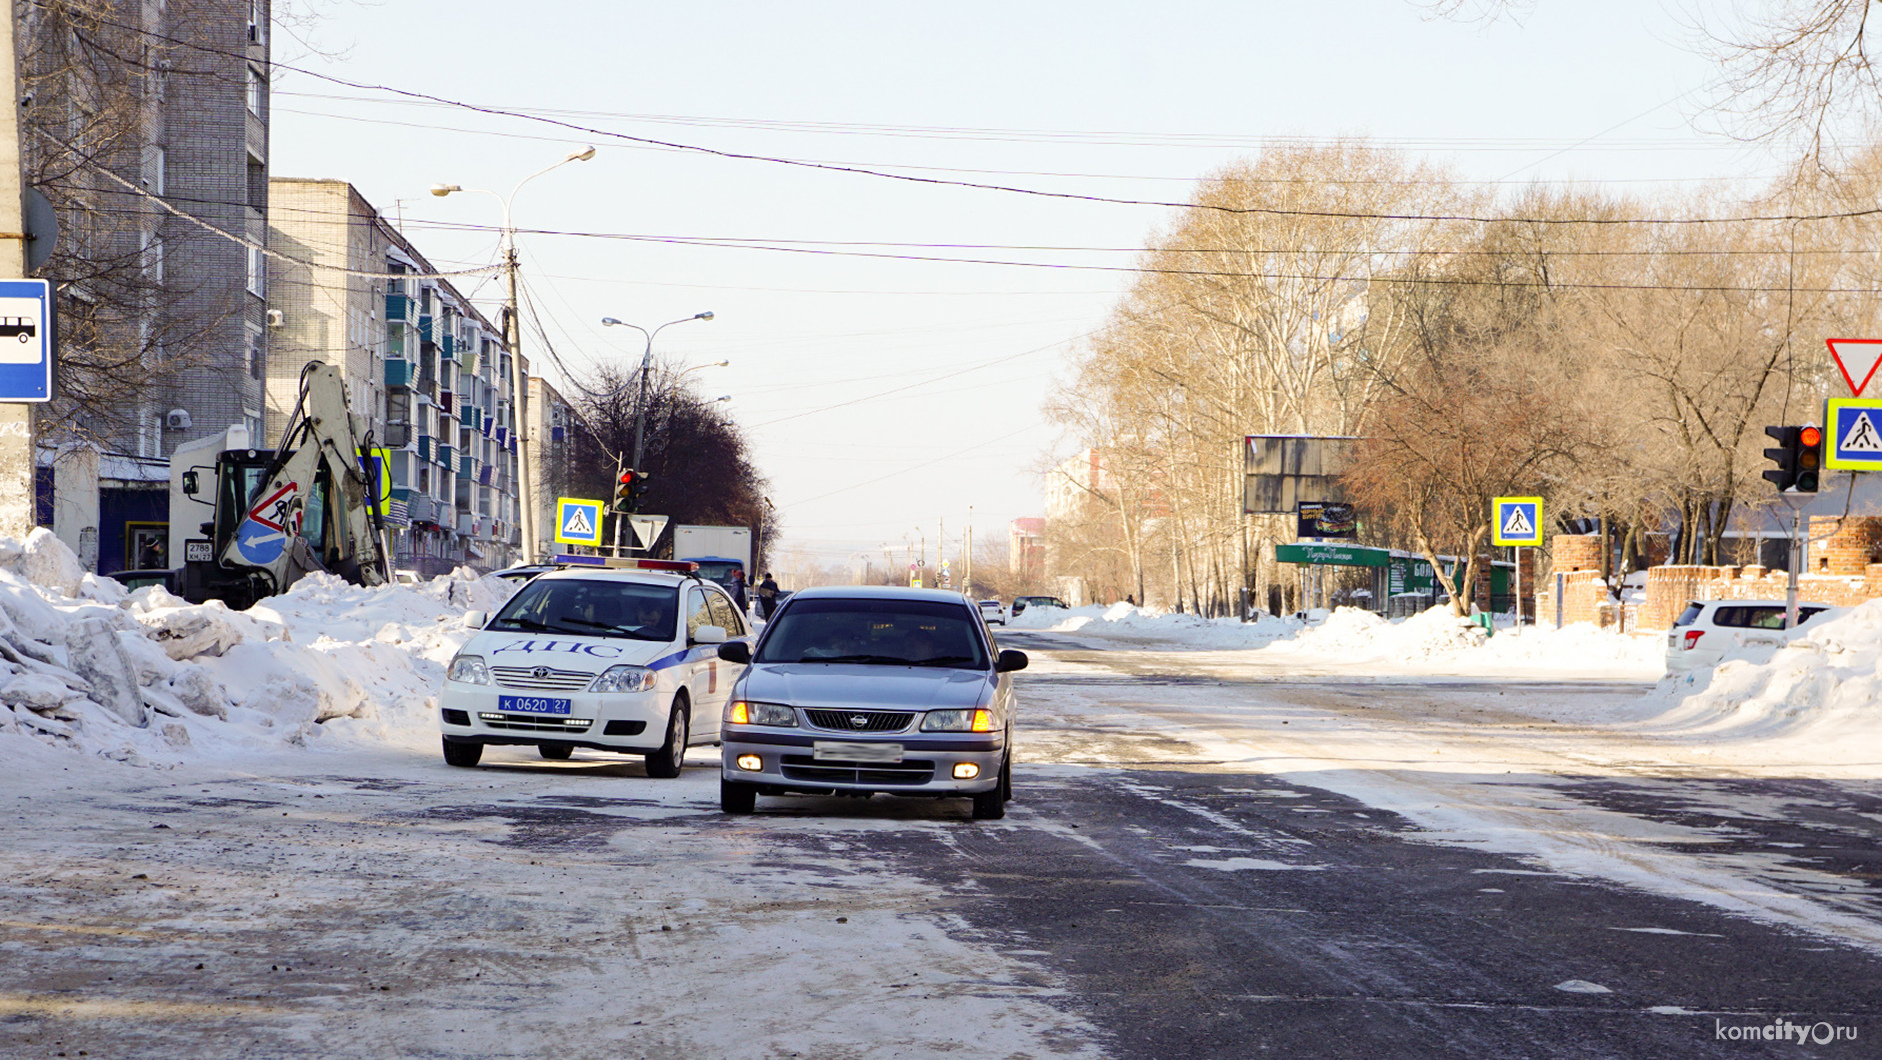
<point>1844,546</point>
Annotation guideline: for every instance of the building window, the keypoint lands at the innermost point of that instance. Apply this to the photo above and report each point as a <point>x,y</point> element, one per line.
<point>257,184</point>
<point>154,162</point>
<point>257,27</point>
<point>257,88</point>
<point>152,255</point>
<point>257,272</point>
<point>252,359</point>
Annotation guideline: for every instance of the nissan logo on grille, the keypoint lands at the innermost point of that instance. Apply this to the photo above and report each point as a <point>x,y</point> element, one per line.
<point>858,721</point>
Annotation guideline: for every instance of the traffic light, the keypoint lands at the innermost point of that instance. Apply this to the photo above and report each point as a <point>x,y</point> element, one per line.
<point>1798,456</point>
<point>626,493</point>
<point>1809,462</point>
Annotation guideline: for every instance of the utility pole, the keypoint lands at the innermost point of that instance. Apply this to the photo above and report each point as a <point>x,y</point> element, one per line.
<point>16,418</point>
<point>967,580</point>
<point>519,402</point>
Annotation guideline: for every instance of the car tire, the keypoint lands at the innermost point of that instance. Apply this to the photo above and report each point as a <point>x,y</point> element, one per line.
<point>737,798</point>
<point>1006,774</point>
<point>555,752</point>
<point>990,805</point>
<point>667,762</point>
<point>462,753</point>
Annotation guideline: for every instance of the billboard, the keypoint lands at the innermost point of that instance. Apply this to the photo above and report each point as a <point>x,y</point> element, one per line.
<point>1281,471</point>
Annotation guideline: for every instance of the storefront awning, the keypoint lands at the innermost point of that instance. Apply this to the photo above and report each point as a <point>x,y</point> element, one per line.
<point>1333,555</point>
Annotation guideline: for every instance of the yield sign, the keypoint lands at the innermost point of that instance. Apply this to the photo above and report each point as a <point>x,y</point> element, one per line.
<point>1857,359</point>
<point>647,528</point>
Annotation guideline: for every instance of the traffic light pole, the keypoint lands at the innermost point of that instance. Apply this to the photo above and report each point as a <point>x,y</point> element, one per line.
<point>1796,564</point>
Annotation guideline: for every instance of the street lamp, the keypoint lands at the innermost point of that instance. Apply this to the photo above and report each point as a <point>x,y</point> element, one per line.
<point>519,385</point>
<point>646,364</point>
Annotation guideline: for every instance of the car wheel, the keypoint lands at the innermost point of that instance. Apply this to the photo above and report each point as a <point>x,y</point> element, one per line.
<point>737,798</point>
<point>990,805</point>
<point>462,752</point>
<point>1006,775</point>
<point>555,752</point>
<point>667,762</point>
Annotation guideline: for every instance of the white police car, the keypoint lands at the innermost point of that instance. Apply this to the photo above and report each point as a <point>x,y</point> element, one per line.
<point>618,658</point>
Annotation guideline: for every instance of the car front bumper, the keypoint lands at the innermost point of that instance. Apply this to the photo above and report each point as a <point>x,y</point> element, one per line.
<point>790,764</point>
<point>628,722</point>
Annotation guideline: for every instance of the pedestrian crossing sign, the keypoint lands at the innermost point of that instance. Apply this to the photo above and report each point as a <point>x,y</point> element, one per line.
<point>577,521</point>
<point>1853,427</point>
<point>1518,522</point>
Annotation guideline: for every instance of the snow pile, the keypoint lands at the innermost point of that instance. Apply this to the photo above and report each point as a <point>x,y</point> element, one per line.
<point>147,676</point>
<point>1822,686</point>
<point>1128,622</point>
<point>1355,633</point>
<point>1580,642</point>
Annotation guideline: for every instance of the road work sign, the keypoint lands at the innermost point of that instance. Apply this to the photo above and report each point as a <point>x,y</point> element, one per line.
<point>1517,521</point>
<point>1853,427</point>
<point>577,521</point>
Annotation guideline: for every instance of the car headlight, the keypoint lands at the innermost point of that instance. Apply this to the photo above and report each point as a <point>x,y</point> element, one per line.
<point>740,712</point>
<point>469,669</point>
<point>625,679</point>
<point>958,721</point>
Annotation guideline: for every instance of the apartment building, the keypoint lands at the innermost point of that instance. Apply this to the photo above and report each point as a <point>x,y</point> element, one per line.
<point>145,127</point>
<point>427,371</point>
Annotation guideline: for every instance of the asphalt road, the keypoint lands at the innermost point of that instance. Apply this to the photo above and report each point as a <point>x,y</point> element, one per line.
<point>1169,906</point>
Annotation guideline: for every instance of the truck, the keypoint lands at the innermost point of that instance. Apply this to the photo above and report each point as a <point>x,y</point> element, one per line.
<point>280,514</point>
<point>719,550</point>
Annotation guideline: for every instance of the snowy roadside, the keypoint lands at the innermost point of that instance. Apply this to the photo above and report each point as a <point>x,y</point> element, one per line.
<point>146,678</point>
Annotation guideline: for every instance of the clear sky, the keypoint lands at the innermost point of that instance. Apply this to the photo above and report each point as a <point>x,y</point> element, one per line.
<point>884,395</point>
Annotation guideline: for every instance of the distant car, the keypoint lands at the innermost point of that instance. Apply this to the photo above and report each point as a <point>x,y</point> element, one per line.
<point>407,577</point>
<point>524,572</point>
<point>863,690</point>
<point>1021,603</point>
<point>993,612</point>
<point>1708,629</point>
<point>618,659</point>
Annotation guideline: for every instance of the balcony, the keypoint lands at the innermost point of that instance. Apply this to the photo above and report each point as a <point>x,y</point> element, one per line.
<point>466,469</point>
<point>424,447</point>
<point>447,457</point>
<point>398,434</point>
<point>484,475</point>
<point>424,329</point>
<point>447,347</point>
<point>398,307</point>
<point>399,373</point>
<point>473,416</point>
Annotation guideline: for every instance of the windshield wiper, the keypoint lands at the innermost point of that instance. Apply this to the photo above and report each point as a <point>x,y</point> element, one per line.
<point>948,660</point>
<point>529,623</point>
<point>891,660</point>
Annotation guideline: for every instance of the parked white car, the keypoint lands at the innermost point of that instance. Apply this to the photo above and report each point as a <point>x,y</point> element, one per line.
<point>992,612</point>
<point>1709,629</point>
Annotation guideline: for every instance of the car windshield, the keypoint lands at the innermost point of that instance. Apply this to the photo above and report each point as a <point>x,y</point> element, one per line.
<point>591,607</point>
<point>884,632</point>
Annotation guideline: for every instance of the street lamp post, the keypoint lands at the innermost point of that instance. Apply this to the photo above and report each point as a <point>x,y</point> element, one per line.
<point>646,365</point>
<point>513,334</point>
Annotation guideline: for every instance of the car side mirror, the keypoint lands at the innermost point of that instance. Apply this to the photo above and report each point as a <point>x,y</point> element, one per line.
<point>1009,661</point>
<point>190,487</point>
<point>476,619</point>
<point>709,635</point>
<point>735,651</point>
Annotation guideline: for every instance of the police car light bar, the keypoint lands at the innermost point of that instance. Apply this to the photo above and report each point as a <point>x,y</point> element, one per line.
<point>569,559</point>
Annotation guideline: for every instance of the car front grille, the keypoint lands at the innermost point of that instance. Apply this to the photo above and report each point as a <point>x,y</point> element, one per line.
<point>872,720</point>
<point>541,678</point>
<point>534,723</point>
<point>806,769</point>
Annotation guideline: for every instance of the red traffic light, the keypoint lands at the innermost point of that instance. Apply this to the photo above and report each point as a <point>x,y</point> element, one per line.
<point>1810,437</point>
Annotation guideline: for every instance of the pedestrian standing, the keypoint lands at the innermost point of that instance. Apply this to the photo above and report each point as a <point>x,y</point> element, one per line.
<point>738,589</point>
<point>767,597</point>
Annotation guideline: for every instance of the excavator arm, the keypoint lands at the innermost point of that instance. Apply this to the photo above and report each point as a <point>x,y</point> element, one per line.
<point>315,509</point>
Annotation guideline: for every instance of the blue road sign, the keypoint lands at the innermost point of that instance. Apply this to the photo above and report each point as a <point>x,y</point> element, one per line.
<point>1853,430</point>
<point>577,521</point>
<point>1518,521</point>
<point>25,340</point>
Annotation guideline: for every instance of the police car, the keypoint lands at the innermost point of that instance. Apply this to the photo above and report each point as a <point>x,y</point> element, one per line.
<point>621,657</point>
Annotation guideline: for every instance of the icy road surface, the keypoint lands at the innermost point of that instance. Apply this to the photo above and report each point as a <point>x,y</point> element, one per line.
<point>1215,854</point>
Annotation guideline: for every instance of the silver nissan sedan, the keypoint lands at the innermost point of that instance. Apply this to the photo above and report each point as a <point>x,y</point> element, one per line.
<point>864,690</point>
